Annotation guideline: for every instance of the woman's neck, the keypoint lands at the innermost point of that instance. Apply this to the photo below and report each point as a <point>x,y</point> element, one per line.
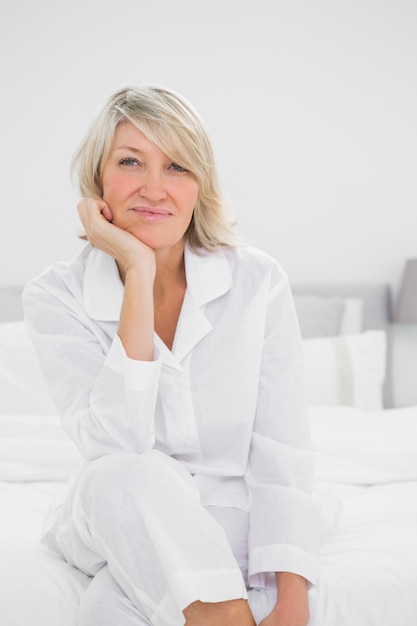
<point>170,270</point>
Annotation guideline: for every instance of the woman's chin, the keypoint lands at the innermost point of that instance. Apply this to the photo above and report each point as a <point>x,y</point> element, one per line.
<point>157,241</point>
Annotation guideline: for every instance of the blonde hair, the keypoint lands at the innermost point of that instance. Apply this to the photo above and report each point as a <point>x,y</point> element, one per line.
<point>172,124</point>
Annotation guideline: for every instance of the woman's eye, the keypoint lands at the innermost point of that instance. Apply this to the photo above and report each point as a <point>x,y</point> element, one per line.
<point>128,161</point>
<point>177,168</point>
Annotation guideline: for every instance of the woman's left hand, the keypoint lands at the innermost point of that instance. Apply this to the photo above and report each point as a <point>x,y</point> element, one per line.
<point>292,606</point>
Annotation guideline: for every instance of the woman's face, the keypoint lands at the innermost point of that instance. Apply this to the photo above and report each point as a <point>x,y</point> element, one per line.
<point>148,195</point>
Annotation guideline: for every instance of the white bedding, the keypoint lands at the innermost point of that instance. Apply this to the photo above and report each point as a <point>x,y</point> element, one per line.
<point>366,484</point>
<point>369,562</point>
<point>37,587</point>
<point>366,480</point>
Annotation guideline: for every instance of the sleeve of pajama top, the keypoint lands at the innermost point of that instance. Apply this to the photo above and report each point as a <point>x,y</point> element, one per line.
<point>284,520</point>
<point>106,400</point>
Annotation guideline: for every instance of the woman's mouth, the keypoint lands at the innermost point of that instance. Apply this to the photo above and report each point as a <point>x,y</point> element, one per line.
<point>150,214</point>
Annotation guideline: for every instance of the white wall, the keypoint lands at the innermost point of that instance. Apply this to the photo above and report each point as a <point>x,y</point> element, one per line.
<point>311,106</point>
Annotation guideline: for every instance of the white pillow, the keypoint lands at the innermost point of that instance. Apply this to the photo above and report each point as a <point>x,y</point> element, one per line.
<point>22,387</point>
<point>346,370</point>
<point>352,320</point>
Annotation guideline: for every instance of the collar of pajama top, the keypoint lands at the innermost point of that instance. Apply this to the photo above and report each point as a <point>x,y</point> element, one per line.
<point>208,277</point>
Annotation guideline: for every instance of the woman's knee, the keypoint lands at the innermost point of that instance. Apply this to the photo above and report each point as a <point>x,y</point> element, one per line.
<point>112,480</point>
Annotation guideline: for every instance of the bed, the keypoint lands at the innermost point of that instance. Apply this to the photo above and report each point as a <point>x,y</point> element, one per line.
<point>364,429</point>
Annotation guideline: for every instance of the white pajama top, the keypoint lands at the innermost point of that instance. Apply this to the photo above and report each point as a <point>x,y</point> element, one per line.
<point>228,401</point>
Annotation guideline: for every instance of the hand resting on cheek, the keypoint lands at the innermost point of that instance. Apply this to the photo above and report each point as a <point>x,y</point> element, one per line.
<point>96,218</point>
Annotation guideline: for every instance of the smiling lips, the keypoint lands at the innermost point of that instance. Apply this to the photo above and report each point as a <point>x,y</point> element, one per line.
<point>149,214</point>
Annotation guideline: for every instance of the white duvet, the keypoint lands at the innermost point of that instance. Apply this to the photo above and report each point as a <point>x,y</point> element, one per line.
<point>366,484</point>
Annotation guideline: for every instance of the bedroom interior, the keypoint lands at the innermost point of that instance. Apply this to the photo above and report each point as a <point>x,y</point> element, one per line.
<point>325,96</point>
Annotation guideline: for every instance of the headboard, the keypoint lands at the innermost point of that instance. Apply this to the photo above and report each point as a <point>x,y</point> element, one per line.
<point>375,298</point>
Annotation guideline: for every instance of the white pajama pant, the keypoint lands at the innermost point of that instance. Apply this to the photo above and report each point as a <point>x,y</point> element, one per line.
<point>136,523</point>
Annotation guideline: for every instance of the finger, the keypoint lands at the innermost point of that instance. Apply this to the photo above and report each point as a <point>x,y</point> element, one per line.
<point>90,210</point>
<point>93,205</point>
<point>105,211</point>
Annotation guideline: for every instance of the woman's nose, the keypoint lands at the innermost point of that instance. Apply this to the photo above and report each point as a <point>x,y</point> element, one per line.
<point>152,186</point>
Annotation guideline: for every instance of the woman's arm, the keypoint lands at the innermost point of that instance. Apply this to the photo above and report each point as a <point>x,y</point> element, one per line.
<point>137,267</point>
<point>284,529</point>
<point>136,325</point>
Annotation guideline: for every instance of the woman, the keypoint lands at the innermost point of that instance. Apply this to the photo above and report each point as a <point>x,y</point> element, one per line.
<point>174,357</point>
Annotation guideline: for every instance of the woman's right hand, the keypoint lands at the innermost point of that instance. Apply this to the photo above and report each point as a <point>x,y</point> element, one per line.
<point>96,218</point>
<point>137,268</point>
